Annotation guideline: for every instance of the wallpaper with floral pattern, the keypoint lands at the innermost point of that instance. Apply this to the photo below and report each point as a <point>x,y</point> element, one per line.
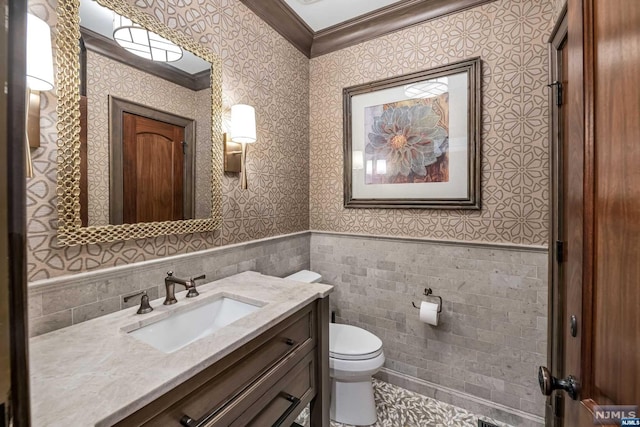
<point>510,37</point>
<point>259,68</point>
<point>299,113</point>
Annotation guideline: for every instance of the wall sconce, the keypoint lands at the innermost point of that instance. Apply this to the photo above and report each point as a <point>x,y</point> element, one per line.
<point>39,78</point>
<point>243,132</point>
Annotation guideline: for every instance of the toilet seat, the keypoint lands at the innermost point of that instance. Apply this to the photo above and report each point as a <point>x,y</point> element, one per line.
<point>347,342</point>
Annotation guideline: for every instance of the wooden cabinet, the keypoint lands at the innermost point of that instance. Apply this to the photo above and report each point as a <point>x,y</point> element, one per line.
<point>266,382</point>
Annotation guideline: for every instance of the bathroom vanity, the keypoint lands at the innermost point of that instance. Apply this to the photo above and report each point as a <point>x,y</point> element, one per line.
<point>262,369</point>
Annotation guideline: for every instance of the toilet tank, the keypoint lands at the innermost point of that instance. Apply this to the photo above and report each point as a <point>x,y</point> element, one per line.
<point>305,276</point>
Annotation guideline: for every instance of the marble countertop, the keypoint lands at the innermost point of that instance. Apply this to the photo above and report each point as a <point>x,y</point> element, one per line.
<point>94,373</point>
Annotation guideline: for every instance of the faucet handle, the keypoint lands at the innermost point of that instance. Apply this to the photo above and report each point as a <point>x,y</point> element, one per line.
<point>145,307</point>
<point>169,273</point>
<point>193,292</point>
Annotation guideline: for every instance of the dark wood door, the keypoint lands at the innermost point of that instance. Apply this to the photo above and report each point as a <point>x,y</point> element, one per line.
<point>601,269</point>
<point>153,170</point>
<point>14,367</point>
<point>557,293</point>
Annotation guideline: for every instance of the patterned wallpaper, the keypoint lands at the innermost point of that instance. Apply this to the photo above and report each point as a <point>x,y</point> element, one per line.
<point>510,37</point>
<point>107,77</point>
<point>259,68</point>
<point>557,8</point>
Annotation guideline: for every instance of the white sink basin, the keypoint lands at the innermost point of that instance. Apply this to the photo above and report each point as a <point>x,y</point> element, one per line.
<point>181,329</point>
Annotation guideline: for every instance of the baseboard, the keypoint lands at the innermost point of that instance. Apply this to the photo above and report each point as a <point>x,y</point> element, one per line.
<point>478,406</point>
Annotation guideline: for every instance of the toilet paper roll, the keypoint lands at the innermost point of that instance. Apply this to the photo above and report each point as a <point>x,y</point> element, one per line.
<point>429,313</point>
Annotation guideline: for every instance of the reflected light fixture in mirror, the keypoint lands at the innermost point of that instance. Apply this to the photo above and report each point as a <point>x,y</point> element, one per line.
<point>39,78</point>
<point>243,132</point>
<point>142,42</point>
<point>428,89</point>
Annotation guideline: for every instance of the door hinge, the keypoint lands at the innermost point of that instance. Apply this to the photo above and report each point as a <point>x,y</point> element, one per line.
<point>184,147</point>
<point>558,86</point>
<point>560,256</point>
<point>557,405</point>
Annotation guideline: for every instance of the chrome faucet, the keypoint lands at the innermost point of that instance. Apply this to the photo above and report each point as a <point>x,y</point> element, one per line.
<point>170,283</point>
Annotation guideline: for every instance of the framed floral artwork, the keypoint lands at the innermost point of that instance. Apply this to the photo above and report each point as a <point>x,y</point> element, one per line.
<point>413,141</point>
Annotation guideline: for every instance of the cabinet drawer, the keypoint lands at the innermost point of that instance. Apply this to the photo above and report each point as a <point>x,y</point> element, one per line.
<point>243,409</point>
<point>217,386</point>
<point>282,404</point>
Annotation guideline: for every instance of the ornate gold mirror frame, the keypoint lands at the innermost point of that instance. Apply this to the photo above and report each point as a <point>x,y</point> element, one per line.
<point>70,230</point>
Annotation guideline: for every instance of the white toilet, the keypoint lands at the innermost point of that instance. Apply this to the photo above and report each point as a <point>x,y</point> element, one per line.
<point>355,355</point>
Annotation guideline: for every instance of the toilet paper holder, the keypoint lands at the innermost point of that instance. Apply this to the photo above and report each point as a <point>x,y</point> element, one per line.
<point>429,293</point>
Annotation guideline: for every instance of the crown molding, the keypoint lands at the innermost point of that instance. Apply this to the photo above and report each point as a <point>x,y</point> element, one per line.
<point>109,48</point>
<point>379,22</point>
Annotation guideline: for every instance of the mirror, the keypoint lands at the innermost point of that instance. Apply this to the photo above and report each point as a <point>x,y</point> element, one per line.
<point>140,140</point>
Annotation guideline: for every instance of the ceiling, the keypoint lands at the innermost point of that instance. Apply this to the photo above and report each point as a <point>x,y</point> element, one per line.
<point>318,27</point>
<point>321,14</point>
<point>99,19</point>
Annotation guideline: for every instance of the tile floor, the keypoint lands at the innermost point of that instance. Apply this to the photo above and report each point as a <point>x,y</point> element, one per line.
<point>398,407</point>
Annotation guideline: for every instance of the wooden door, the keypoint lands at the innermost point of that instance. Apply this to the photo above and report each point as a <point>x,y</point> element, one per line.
<point>602,204</point>
<point>14,367</point>
<point>153,171</point>
<point>559,89</point>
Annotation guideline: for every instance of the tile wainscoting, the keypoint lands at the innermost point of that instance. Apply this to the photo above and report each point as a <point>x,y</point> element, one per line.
<point>68,300</point>
<point>493,328</point>
<point>482,357</point>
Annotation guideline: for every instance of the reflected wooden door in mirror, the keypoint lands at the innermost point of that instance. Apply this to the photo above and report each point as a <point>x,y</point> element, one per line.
<point>152,178</point>
<point>151,165</point>
<point>200,201</point>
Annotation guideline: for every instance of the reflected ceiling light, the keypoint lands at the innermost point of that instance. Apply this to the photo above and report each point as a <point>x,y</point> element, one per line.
<point>142,42</point>
<point>427,89</point>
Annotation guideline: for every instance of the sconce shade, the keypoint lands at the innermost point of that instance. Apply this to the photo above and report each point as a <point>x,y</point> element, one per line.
<point>141,42</point>
<point>243,123</point>
<point>39,54</point>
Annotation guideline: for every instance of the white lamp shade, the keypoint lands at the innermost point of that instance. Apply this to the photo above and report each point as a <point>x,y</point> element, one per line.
<point>39,54</point>
<point>243,124</point>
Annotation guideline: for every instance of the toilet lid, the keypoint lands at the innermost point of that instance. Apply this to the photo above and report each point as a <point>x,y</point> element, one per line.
<point>352,343</point>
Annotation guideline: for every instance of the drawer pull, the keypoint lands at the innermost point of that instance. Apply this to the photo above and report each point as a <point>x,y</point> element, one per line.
<point>187,421</point>
<point>290,342</point>
<point>294,403</point>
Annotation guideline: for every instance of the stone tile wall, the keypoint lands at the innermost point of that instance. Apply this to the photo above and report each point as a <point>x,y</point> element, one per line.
<point>493,328</point>
<point>67,300</point>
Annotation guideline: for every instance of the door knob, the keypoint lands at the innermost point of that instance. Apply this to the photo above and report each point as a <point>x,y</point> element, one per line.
<point>548,383</point>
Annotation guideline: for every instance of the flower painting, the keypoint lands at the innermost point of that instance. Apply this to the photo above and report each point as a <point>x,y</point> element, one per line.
<point>407,141</point>
<point>413,141</point>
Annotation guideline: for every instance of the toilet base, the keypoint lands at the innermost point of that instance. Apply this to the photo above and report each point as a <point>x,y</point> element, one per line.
<point>353,403</point>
